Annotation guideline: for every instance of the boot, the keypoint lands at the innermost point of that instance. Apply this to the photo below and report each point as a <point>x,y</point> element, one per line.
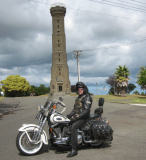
<point>73,152</point>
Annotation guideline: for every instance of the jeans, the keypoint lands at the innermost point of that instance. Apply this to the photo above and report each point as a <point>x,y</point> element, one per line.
<point>77,124</point>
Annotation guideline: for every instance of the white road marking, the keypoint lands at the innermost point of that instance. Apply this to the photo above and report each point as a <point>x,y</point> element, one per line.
<point>138,104</point>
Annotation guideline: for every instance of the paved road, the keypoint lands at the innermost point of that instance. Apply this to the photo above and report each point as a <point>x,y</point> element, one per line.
<point>128,122</point>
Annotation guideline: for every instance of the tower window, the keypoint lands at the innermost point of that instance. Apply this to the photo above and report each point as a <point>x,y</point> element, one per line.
<point>59,59</point>
<point>58,43</point>
<point>60,88</point>
<point>58,20</point>
<point>58,29</point>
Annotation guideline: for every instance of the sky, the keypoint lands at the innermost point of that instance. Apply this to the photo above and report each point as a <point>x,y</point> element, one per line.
<point>109,33</point>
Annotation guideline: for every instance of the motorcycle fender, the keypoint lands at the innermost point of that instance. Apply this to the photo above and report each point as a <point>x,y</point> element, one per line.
<point>27,127</point>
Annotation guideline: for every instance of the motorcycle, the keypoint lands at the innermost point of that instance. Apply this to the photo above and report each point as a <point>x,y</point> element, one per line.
<point>31,137</point>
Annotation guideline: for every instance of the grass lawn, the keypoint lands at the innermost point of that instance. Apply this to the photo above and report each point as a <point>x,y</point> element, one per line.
<point>119,99</point>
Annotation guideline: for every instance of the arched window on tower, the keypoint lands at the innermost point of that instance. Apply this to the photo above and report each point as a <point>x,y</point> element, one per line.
<point>58,28</point>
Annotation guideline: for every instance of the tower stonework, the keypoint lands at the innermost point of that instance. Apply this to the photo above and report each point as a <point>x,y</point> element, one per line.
<point>59,71</point>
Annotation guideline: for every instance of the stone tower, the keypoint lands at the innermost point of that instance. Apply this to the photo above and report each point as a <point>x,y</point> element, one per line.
<point>59,72</point>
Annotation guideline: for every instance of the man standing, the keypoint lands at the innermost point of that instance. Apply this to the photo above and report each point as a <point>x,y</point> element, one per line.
<point>79,114</point>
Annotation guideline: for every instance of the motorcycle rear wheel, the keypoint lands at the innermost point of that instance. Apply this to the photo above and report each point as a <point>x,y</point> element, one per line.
<point>25,146</point>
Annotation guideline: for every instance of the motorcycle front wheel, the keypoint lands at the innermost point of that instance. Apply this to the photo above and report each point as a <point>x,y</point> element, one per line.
<point>25,146</point>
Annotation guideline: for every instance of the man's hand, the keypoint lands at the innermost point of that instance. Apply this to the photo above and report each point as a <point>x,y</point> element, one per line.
<point>74,118</point>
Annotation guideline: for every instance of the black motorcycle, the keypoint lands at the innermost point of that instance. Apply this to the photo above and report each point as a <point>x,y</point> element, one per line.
<point>31,138</point>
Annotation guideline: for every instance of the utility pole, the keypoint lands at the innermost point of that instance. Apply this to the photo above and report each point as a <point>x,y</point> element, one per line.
<point>77,53</point>
<point>97,86</point>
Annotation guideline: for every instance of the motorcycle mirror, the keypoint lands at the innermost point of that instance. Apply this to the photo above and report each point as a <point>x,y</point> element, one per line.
<point>101,102</point>
<point>61,99</point>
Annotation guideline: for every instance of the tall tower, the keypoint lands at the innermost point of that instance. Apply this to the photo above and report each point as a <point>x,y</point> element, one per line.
<point>59,72</point>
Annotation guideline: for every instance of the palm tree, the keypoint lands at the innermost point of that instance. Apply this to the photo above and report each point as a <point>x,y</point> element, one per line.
<point>122,74</point>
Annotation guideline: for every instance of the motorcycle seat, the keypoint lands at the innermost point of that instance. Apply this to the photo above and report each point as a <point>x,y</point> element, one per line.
<point>92,116</point>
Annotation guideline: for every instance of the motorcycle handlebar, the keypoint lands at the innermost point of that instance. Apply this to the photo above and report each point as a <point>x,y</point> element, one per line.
<point>62,104</point>
<point>46,104</point>
<point>57,102</point>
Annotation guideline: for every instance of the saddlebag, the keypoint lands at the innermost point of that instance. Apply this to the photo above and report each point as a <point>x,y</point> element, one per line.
<point>101,130</point>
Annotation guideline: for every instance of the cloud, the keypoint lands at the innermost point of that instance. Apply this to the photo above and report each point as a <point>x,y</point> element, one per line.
<point>109,36</point>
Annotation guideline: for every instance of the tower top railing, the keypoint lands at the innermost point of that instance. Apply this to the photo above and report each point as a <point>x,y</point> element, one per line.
<point>58,5</point>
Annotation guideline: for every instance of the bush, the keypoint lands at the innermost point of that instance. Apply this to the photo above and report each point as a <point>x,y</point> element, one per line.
<point>15,86</point>
<point>142,93</point>
<point>41,90</point>
<point>136,92</point>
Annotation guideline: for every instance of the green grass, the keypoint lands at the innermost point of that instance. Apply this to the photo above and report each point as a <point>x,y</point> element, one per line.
<point>127,99</point>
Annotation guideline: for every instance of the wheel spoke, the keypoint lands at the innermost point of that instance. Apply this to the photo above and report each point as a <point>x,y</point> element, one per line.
<point>26,146</point>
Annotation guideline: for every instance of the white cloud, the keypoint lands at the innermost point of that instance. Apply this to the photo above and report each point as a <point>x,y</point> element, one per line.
<point>106,34</point>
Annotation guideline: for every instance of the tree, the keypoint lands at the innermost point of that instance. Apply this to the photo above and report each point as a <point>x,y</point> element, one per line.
<point>130,87</point>
<point>122,74</point>
<point>73,88</point>
<point>112,82</point>
<point>33,91</point>
<point>15,86</point>
<point>142,78</point>
<point>41,90</point>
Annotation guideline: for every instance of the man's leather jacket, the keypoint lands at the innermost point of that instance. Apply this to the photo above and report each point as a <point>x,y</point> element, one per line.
<point>81,108</point>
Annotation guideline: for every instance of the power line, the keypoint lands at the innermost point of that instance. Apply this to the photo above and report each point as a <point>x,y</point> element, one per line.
<point>81,10</point>
<point>115,46</point>
<point>138,2</point>
<point>107,1</point>
<point>128,2</point>
<point>120,5</point>
<point>109,47</point>
<point>122,17</point>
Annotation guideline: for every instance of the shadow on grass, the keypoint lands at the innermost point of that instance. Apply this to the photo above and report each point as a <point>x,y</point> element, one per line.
<point>142,97</point>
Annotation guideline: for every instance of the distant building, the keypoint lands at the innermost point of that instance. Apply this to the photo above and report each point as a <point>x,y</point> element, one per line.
<point>59,72</point>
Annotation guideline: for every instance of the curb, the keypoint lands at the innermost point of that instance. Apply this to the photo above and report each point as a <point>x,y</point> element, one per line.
<point>138,104</point>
